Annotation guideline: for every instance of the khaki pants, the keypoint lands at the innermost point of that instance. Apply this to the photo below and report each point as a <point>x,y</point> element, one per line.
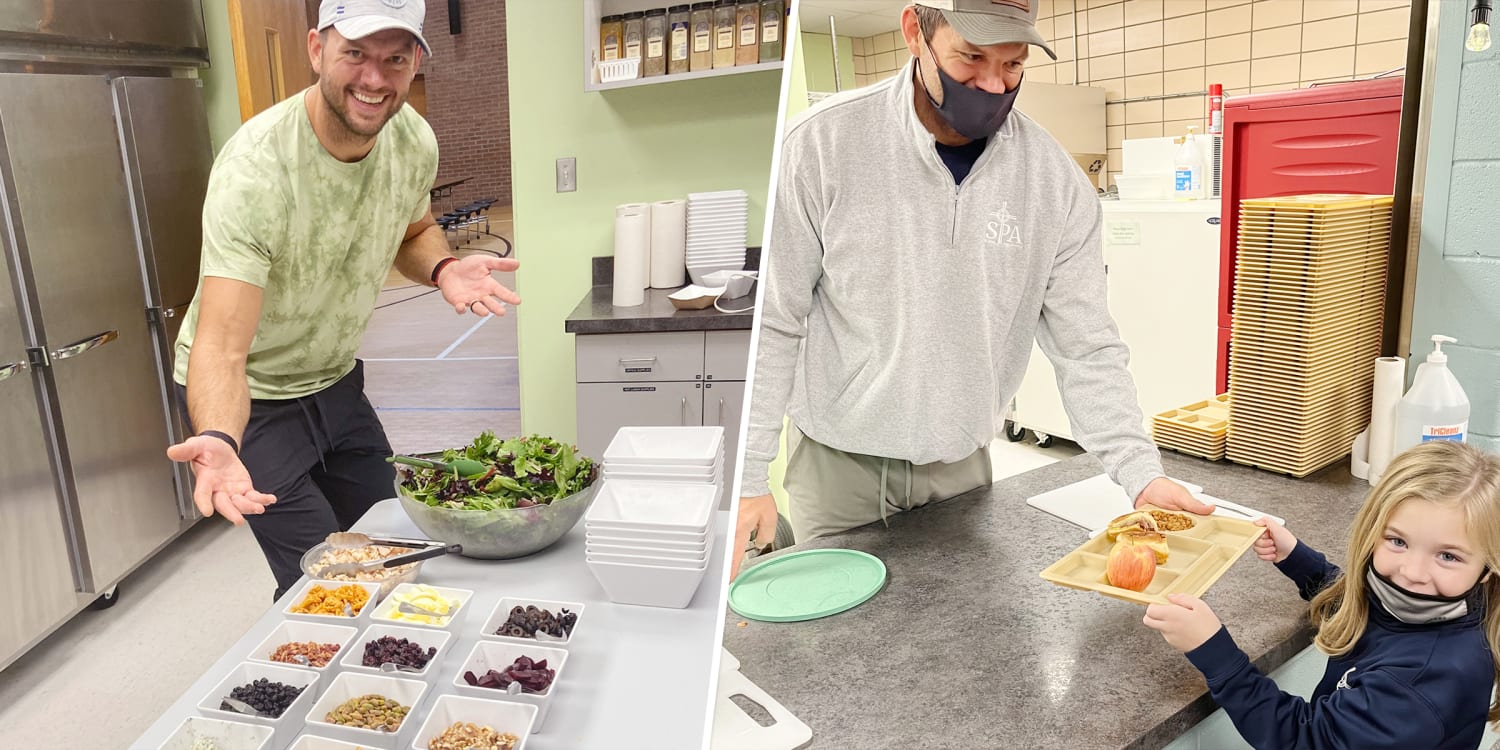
<point>830,491</point>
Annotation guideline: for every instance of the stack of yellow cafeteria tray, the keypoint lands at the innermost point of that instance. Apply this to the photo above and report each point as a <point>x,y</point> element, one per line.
<point>1309,297</point>
<point>1197,429</point>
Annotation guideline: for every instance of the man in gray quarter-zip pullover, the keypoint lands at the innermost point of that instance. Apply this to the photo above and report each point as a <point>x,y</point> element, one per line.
<point>923,235</point>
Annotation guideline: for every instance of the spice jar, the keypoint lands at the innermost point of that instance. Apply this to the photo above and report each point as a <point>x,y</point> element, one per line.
<point>655,63</point>
<point>772,15</point>
<point>679,18</point>
<point>634,33</point>
<point>701,57</point>
<point>724,33</point>
<point>747,32</point>
<point>609,37</point>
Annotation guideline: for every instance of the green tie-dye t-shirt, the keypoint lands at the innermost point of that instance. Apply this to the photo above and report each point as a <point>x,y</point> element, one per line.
<point>316,234</point>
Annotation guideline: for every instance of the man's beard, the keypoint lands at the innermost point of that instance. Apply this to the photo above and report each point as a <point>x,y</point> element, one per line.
<point>336,104</point>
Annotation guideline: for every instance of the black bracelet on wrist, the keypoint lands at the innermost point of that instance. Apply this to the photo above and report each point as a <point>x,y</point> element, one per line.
<point>437,269</point>
<point>235,446</point>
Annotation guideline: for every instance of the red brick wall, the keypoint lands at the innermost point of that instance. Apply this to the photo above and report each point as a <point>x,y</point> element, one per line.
<point>467,100</point>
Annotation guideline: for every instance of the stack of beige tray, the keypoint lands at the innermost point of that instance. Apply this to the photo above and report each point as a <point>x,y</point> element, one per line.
<point>1309,297</point>
<point>1196,429</point>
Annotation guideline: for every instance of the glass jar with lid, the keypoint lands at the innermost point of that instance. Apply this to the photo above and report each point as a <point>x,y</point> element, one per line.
<point>679,18</point>
<point>747,32</point>
<point>701,55</point>
<point>609,37</point>
<point>724,35</point>
<point>772,16</point>
<point>633,35</point>
<point>655,62</point>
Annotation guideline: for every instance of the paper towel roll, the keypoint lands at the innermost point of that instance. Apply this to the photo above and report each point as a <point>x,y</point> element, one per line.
<point>1359,456</point>
<point>632,254</point>
<point>1390,378</point>
<point>668,244</point>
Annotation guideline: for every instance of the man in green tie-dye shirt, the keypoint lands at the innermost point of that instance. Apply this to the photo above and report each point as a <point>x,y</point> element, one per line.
<point>309,205</point>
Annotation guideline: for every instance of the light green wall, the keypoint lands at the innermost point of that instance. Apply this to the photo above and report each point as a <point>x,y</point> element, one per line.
<point>817,59</point>
<point>637,144</point>
<point>796,75</point>
<point>220,90</point>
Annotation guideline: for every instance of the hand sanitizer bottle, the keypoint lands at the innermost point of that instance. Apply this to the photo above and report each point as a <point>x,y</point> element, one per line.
<point>1187,183</point>
<point>1436,407</point>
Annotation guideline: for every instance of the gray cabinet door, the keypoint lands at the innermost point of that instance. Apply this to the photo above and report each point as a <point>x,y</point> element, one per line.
<point>603,408</point>
<point>726,355</point>
<point>72,209</point>
<point>640,357</point>
<point>723,405</point>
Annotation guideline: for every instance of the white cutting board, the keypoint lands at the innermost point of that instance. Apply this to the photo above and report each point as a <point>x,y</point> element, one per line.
<point>1094,502</point>
<point>736,730</point>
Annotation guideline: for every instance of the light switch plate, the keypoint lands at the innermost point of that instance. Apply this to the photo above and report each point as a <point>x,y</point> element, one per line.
<point>567,174</point>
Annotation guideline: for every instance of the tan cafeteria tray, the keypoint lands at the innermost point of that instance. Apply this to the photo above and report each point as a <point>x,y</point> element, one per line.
<point>1187,441</point>
<point>1196,558</point>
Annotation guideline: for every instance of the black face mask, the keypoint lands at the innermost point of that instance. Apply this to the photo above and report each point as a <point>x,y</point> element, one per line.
<point>973,113</point>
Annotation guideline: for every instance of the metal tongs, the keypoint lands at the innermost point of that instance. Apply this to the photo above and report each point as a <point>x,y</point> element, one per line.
<point>351,569</point>
<point>355,540</point>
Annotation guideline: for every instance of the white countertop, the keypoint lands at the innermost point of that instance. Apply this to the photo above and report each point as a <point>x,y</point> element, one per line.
<point>636,677</point>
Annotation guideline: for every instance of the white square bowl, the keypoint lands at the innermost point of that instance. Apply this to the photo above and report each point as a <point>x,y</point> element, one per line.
<point>349,685</point>
<point>300,631</point>
<point>652,506</point>
<point>595,550</point>
<point>715,480</point>
<point>684,446</point>
<point>424,637</point>
<point>646,535</point>
<point>501,613</point>
<point>290,722</point>
<point>301,594</point>
<point>693,547</point>
<point>691,472</point>
<point>447,710</point>
<point>314,742</point>
<point>387,611</point>
<point>498,655</point>
<point>647,585</point>
<point>226,735</point>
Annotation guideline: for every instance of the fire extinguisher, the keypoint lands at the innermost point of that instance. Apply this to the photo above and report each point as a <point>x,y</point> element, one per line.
<point>1216,109</point>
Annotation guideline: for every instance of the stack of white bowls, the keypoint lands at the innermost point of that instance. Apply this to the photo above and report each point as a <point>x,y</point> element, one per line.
<point>650,543</point>
<point>690,455</point>
<point>716,229</point>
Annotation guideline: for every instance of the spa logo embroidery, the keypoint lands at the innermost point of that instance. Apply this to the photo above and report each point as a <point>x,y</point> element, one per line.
<point>1003,228</point>
<point>1344,681</point>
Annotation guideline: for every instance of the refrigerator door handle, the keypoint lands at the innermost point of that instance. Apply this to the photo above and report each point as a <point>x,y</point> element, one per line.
<point>77,348</point>
<point>11,369</point>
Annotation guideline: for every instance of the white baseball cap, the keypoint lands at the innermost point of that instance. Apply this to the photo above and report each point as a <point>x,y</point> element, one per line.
<point>986,22</point>
<point>357,19</point>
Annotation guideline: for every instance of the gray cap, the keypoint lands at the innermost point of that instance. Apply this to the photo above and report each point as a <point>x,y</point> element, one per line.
<point>986,22</point>
<point>357,19</point>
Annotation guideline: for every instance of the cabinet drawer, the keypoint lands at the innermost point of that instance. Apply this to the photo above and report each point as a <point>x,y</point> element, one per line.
<point>603,408</point>
<point>726,354</point>
<point>630,357</point>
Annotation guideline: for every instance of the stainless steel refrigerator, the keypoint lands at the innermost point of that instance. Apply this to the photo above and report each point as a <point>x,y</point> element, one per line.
<point>101,190</point>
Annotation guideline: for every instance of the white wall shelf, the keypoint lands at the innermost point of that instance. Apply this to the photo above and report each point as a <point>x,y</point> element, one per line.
<point>593,10</point>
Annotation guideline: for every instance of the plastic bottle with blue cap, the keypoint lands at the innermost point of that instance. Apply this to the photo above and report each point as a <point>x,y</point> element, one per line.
<point>1436,407</point>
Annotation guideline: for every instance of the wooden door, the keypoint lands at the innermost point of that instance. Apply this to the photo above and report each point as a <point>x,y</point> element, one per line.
<point>270,51</point>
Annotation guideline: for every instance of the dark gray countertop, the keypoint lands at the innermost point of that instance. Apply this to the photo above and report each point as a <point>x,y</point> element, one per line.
<point>967,647</point>
<point>598,314</point>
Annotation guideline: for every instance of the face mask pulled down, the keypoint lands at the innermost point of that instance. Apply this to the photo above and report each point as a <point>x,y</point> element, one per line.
<point>972,112</point>
<point>1419,609</point>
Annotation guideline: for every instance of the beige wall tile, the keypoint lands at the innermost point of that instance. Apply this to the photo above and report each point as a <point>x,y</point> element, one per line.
<point>1107,17</point>
<point>1234,75</point>
<point>1114,114</point>
<point>1329,33</point>
<point>876,77</point>
<point>1340,79</point>
<point>1046,8</point>
<point>1185,108</point>
<point>1226,21</point>
<point>858,45</point>
<point>1064,47</point>
<point>1179,128</point>
<point>1273,87</point>
<point>1116,158</point>
<point>1320,9</point>
<point>1106,66</point>
<point>1143,61</point>
<point>1227,49</point>
<point>1379,57</point>
<point>1371,6</point>
<point>1142,36</point>
<point>1183,81</point>
<point>861,80</point>
<point>1113,134</point>
<point>886,61</point>
<point>1045,27</point>
<point>859,64</point>
<point>1189,28</point>
<point>1142,112</point>
<point>1114,88</point>
<point>1142,11</point>
<point>1384,25</point>
<point>1044,74</point>
<point>1272,42</point>
<point>1174,8</point>
<point>1106,42</point>
<point>1143,85</point>
<point>1269,14</point>
<point>1328,63</point>
<point>1217,4</point>
<point>1179,56</point>
<point>1143,130</point>
<point>1268,71</point>
<point>884,42</point>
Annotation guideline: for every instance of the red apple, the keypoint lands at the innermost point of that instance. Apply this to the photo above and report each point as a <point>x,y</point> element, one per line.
<point>1130,566</point>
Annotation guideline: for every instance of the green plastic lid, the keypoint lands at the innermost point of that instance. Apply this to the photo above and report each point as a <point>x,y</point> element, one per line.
<point>806,585</point>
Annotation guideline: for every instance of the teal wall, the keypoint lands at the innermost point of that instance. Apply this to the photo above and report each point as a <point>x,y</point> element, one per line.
<point>1458,266</point>
<point>636,144</point>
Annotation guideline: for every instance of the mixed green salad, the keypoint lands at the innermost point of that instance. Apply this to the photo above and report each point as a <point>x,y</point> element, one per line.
<point>521,472</point>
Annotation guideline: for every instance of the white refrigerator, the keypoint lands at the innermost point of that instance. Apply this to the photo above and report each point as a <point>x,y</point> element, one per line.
<point>1162,261</point>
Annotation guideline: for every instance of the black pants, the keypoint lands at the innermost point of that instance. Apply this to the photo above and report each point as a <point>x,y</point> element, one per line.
<point>323,457</point>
